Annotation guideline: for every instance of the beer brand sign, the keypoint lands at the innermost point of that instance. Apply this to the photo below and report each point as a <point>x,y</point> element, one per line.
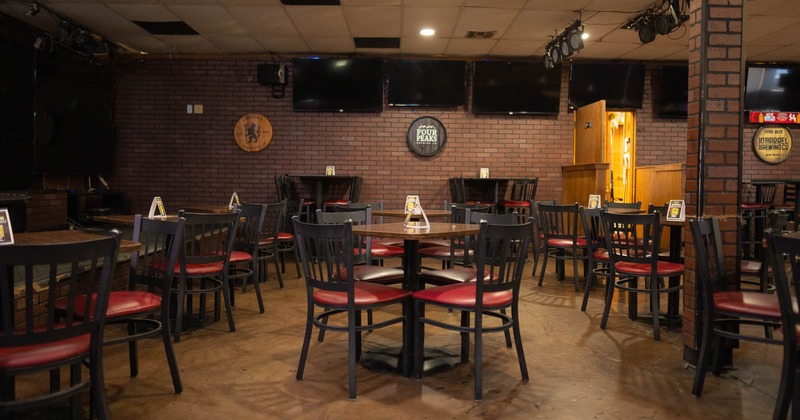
<point>426,136</point>
<point>774,117</point>
<point>772,143</point>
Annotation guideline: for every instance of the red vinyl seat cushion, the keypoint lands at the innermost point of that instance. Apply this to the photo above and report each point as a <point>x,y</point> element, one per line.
<point>120,303</point>
<point>42,354</point>
<point>463,296</point>
<point>240,256</point>
<point>750,303</point>
<point>365,294</point>
<point>663,268</point>
<point>566,243</point>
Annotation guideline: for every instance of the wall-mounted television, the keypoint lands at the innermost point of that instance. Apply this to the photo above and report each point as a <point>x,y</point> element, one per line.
<point>337,85</point>
<point>503,87</point>
<point>73,118</point>
<point>772,88</point>
<point>431,83</point>
<point>673,95</point>
<point>620,84</point>
<point>16,112</point>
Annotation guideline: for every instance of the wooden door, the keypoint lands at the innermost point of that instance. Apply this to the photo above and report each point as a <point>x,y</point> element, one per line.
<point>590,134</point>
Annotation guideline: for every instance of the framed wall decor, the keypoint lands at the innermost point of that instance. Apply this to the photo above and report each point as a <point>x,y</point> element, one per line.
<point>426,136</point>
<point>772,143</point>
<point>252,132</point>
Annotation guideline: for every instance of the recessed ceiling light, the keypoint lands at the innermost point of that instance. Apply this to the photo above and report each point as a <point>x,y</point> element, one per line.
<point>427,32</point>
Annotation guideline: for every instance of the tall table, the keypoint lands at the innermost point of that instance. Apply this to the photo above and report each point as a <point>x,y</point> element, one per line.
<point>321,183</point>
<point>411,265</point>
<point>491,187</point>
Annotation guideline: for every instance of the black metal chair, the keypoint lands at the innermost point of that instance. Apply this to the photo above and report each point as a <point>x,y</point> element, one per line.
<point>326,253</point>
<point>203,265</point>
<point>37,337</point>
<point>500,261</point>
<point>562,238</point>
<point>785,250</point>
<point>244,256</point>
<point>597,254</point>
<point>632,242</point>
<point>722,311</point>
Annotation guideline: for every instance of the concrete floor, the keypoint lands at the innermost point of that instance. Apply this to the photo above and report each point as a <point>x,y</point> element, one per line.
<point>576,369</point>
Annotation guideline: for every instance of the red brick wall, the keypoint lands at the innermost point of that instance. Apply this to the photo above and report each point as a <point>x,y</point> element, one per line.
<point>189,159</point>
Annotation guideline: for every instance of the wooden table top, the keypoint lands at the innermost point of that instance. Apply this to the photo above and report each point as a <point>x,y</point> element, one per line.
<point>402,213</point>
<point>128,219</point>
<point>67,236</point>
<point>398,230</point>
<point>208,208</point>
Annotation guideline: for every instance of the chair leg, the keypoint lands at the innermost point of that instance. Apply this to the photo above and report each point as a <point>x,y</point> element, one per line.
<point>180,296</point>
<point>609,300</point>
<point>306,341</point>
<point>655,305</point>
<point>133,352</point>
<point>351,353</point>
<point>256,286</point>
<point>99,403</point>
<point>506,332</point>
<point>544,267</point>
<point>523,365</point>
<point>702,361</point>
<point>478,356</point>
<point>575,269</point>
<point>419,339</point>
<point>590,282</point>
<point>464,337</point>
<point>786,388</point>
<point>170,352</point>
<point>227,299</point>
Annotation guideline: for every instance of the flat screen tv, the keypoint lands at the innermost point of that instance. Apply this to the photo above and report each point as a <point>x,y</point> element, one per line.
<point>16,112</point>
<point>620,84</point>
<point>337,85</point>
<point>503,87</point>
<point>73,126</point>
<point>772,88</point>
<point>431,83</point>
<point>673,95</point>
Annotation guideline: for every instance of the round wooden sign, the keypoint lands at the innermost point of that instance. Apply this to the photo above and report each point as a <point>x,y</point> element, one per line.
<point>772,143</point>
<point>253,132</point>
<point>426,136</point>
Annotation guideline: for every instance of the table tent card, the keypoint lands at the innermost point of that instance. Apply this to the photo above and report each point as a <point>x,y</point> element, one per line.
<point>594,201</point>
<point>6,233</point>
<point>330,170</point>
<point>676,211</point>
<point>484,173</point>
<point>234,203</point>
<point>414,208</point>
<point>157,206</point>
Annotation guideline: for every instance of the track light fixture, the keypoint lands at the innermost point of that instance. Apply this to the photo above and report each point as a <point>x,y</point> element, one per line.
<point>33,11</point>
<point>564,44</point>
<point>661,19</point>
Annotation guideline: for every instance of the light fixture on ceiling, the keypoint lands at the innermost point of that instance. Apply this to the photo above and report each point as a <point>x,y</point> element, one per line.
<point>427,32</point>
<point>661,19</point>
<point>33,11</point>
<point>564,44</point>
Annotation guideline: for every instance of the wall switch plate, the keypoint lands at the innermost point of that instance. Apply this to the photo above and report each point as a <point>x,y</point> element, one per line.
<point>189,109</point>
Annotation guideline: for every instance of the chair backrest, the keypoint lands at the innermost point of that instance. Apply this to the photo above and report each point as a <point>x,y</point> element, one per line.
<point>610,205</point>
<point>768,193</point>
<point>500,256</point>
<point>274,220</point>
<point>460,194</point>
<point>326,255</point>
<point>458,211</point>
<point>776,220</point>
<point>632,237</point>
<point>559,221</point>
<point>789,193</point>
<point>90,268</point>
<point>153,264</point>
<point>249,228</point>
<point>355,189</point>
<point>524,189</point>
<point>785,250</point>
<point>362,245</point>
<point>282,187</point>
<point>208,238</point>
<point>592,223</point>
<point>476,217</point>
<point>710,261</point>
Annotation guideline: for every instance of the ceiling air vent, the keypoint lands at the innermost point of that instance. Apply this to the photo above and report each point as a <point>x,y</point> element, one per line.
<point>480,34</point>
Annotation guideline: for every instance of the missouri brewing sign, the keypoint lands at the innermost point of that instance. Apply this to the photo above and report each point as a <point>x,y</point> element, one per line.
<point>426,136</point>
<point>772,143</point>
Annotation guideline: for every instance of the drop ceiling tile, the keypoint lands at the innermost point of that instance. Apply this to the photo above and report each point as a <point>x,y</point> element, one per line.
<point>373,21</point>
<point>423,46</point>
<point>466,47</point>
<point>283,45</point>
<point>484,19</point>
<point>538,24</point>
<point>208,20</point>
<point>442,19</point>
<point>514,48</point>
<point>264,21</point>
<point>331,45</point>
<point>319,22</point>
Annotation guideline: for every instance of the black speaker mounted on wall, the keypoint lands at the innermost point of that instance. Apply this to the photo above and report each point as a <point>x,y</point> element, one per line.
<point>271,73</point>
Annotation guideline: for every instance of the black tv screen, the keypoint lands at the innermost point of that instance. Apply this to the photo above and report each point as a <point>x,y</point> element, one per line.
<point>502,87</point>
<point>72,104</point>
<point>16,112</point>
<point>673,95</point>
<point>772,88</point>
<point>337,85</point>
<point>620,84</point>
<point>431,83</point>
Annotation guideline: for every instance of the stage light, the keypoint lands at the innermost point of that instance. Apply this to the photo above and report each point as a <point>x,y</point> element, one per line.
<point>646,33</point>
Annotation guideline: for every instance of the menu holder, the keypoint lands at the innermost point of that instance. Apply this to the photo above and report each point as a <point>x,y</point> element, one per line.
<point>6,233</point>
<point>594,201</point>
<point>157,205</point>
<point>676,211</point>
<point>330,170</point>
<point>234,203</point>
<point>484,173</point>
<point>414,208</point>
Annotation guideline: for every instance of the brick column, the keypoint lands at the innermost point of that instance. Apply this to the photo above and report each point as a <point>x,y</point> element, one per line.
<point>714,138</point>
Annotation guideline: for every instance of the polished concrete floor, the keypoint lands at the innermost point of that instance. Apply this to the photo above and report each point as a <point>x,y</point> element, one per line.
<point>576,369</point>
